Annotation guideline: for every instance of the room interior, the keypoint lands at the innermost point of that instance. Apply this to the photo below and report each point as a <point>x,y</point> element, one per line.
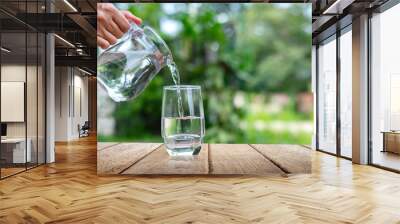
<point>355,163</point>
<point>334,40</point>
<point>385,72</point>
<point>39,108</point>
<point>22,100</point>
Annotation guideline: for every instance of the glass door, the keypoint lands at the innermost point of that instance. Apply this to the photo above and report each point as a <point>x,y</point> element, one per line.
<point>346,92</point>
<point>327,95</point>
<point>385,89</point>
<point>14,153</point>
<point>22,95</point>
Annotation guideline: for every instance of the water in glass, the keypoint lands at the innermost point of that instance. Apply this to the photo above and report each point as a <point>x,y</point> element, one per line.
<point>182,120</point>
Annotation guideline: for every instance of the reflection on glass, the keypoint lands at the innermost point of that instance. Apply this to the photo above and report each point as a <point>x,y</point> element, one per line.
<point>346,94</point>
<point>14,153</point>
<point>327,96</point>
<point>41,99</point>
<point>385,93</point>
<point>31,100</point>
<point>22,90</point>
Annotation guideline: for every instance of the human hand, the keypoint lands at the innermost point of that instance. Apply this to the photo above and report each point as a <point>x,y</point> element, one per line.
<point>112,24</point>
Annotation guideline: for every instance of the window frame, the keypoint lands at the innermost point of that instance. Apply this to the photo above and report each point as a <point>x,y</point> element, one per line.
<point>381,9</point>
<point>346,27</point>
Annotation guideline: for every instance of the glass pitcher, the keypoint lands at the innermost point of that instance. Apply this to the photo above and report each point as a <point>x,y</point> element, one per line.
<point>126,68</point>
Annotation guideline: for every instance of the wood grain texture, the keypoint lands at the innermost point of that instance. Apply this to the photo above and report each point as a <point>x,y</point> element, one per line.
<point>391,142</point>
<point>103,145</point>
<point>70,191</point>
<point>117,158</point>
<point>159,162</point>
<point>214,159</point>
<point>239,159</point>
<point>290,158</point>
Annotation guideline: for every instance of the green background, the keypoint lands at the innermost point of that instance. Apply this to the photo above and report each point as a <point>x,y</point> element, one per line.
<point>253,62</point>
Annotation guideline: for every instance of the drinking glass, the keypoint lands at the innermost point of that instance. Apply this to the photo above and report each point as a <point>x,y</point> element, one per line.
<point>182,122</point>
<point>126,68</point>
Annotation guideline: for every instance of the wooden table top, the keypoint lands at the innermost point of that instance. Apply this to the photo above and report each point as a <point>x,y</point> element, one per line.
<point>391,132</point>
<point>214,159</point>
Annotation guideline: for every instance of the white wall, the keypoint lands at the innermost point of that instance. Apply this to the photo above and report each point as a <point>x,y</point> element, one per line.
<point>12,100</point>
<point>61,103</point>
<point>71,93</point>
<point>80,105</point>
<point>14,73</point>
<point>33,126</point>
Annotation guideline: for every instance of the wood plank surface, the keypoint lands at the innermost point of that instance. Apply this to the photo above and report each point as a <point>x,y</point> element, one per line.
<point>117,158</point>
<point>290,158</point>
<point>214,159</point>
<point>159,162</point>
<point>103,145</point>
<point>70,191</point>
<point>239,159</point>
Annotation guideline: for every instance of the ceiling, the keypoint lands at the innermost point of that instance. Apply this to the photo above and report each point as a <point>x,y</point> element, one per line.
<point>74,22</point>
<point>328,13</point>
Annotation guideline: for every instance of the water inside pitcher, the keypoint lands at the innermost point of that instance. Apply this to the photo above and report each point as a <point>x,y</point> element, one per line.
<point>126,68</point>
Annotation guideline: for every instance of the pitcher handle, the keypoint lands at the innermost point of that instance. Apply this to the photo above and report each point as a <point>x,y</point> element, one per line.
<point>134,26</point>
<point>134,29</point>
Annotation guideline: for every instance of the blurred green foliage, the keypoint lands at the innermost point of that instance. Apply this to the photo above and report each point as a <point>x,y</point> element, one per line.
<point>254,48</point>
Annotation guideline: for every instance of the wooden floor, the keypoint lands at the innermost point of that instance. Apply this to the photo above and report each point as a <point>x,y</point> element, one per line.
<point>387,159</point>
<point>69,191</point>
<point>10,171</point>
